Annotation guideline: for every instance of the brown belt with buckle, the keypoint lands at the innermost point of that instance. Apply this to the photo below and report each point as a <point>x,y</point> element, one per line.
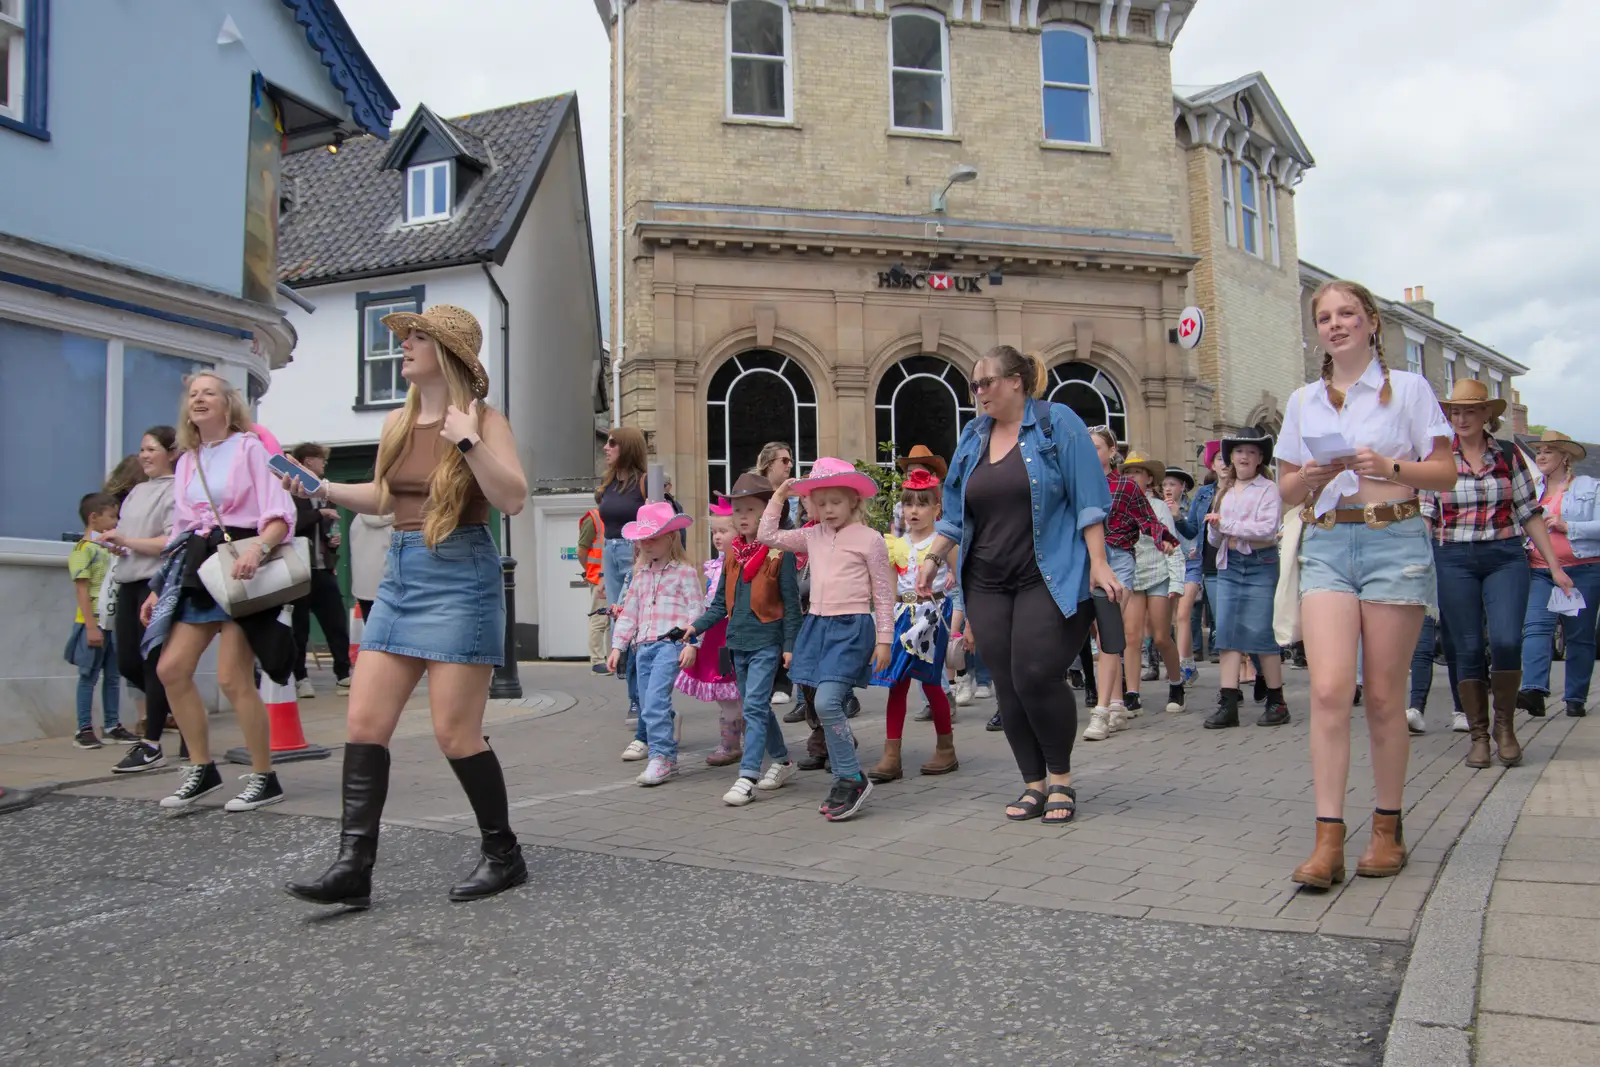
<point>912,598</point>
<point>1376,516</point>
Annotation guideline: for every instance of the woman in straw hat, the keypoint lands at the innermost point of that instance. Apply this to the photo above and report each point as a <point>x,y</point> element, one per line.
<point>1574,522</point>
<point>444,459</point>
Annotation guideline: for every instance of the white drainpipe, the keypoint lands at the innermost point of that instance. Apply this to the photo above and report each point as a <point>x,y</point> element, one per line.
<point>618,345</point>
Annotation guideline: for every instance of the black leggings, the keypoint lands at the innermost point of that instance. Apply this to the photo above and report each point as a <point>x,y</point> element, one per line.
<point>140,671</point>
<point>1028,645</point>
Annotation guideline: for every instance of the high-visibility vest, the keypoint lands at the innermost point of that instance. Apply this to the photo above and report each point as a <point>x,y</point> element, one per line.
<point>591,562</point>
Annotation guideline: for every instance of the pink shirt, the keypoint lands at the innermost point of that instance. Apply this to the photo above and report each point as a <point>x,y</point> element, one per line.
<point>660,596</point>
<point>850,571</point>
<point>1251,511</point>
<point>252,497</point>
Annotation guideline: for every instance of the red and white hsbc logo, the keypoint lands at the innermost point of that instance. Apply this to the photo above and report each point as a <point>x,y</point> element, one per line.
<point>938,281</point>
<point>921,279</point>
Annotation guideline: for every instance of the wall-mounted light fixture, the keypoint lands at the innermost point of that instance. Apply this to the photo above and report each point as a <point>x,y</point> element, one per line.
<point>966,172</point>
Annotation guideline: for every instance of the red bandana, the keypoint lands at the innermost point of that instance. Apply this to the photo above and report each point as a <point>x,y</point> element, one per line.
<point>748,556</point>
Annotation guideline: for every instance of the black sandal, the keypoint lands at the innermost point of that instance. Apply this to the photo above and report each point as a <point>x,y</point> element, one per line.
<point>1032,800</point>
<point>1070,805</point>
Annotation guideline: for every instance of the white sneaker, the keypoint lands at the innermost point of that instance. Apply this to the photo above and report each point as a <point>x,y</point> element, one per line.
<point>1458,722</point>
<point>1414,721</point>
<point>780,697</point>
<point>742,793</point>
<point>658,770</point>
<point>1099,725</point>
<point>964,691</point>
<point>983,692</point>
<point>636,750</point>
<point>777,775</point>
<point>304,690</point>
<point>1117,718</point>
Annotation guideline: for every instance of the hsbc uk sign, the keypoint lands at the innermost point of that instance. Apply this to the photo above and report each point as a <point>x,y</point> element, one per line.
<point>936,280</point>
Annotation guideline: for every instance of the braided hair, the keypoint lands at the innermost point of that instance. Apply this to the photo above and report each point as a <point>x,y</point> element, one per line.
<point>1369,307</point>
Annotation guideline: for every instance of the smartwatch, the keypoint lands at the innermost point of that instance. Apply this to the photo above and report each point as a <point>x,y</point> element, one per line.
<point>466,445</point>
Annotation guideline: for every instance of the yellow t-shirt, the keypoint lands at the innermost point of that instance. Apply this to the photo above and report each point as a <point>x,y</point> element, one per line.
<point>89,560</point>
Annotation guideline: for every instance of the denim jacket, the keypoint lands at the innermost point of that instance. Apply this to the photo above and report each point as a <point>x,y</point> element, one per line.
<point>1066,485</point>
<point>1579,512</point>
<point>1192,525</point>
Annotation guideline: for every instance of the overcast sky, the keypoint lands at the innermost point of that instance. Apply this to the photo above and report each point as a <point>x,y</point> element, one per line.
<point>1455,142</point>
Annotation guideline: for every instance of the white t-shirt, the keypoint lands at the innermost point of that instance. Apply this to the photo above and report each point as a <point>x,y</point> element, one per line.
<point>217,461</point>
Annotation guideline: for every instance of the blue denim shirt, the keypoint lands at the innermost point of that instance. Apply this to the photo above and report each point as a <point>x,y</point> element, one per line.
<point>1067,488</point>
<point>1193,524</point>
<point>1578,511</point>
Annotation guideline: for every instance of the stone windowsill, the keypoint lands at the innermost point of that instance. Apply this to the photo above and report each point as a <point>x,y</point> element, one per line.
<point>925,135</point>
<point>1073,146</point>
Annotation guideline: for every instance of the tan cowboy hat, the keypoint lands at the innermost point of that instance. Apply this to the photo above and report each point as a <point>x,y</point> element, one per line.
<point>1469,392</point>
<point>457,331</point>
<point>1561,443</point>
<point>923,456</point>
<point>1139,461</point>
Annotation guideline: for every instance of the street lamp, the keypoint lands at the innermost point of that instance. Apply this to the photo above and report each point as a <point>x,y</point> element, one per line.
<point>966,172</point>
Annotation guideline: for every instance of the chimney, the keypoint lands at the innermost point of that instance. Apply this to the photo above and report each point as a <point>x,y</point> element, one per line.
<point>1408,294</point>
<point>1415,299</point>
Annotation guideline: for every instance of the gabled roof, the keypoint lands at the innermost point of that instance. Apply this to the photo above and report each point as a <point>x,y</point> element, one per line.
<point>347,222</point>
<point>465,144</point>
<point>1268,107</point>
<point>372,105</point>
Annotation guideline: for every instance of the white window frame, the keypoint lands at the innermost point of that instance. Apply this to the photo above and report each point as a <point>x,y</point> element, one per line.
<point>1449,371</point>
<point>1230,224</point>
<point>391,340</point>
<point>944,73</point>
<point>1248,217</point>
<point>1416,343</point>
<point>788,65</point>
<point>1269,194</point>
<point>1092,88</point>
<point>13,25</point>
<point>431,172</point>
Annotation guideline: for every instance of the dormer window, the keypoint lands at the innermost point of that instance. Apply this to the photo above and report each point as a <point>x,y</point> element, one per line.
<point>429,191</point>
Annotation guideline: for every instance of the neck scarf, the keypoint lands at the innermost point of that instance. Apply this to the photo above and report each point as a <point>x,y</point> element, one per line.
<point>748,556</point>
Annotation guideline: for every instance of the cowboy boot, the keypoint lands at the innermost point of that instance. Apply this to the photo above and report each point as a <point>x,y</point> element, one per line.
<point>1326,865</point>
<point>887,768</point>
<point>816,757</point>
<point>731,748</point>
<point>944,756</point>
<point>348,882</point>
<point>1505,685</point>
<point>501,865</point>
<point>1386,852</point>
<point>1474,705</point>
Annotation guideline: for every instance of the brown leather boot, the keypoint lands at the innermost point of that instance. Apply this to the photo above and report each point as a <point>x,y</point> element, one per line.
<point>1326,865</point>
<point>944,756</point>
<point>1475,705</point>
<point>1505,685</point>
<point>1386,852</point>
<point>888,768</point>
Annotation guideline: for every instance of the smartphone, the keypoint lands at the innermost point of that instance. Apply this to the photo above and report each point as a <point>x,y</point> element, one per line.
<point>281,466</point>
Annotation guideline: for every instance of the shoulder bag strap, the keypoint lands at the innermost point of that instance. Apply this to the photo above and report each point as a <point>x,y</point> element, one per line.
<point>216,513</point>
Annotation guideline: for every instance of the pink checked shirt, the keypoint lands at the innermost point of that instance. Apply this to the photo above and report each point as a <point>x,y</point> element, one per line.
<point>660,596</point>
<point>252,497</point>
<point>1250,512</point>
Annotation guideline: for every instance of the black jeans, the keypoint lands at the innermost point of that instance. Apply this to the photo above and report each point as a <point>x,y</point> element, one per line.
<point>326,601</point>
<point>137,670</point>
<point>1028,645</point>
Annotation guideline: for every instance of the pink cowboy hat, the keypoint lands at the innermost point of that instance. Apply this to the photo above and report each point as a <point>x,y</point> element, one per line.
<point>654,520</point>
<point>1212,448</point>
<point>722,507</point>
<point>830,473</point>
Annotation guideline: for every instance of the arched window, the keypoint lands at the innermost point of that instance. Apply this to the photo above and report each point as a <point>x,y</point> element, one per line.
<point>919,71</point>
<point>754,398</point>
<point>921,400</point>
<point>1071,97</point>
<point>1090,392</point>
<point>758,60</point>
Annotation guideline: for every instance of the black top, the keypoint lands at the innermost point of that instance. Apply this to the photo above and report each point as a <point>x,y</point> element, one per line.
<point>619,507</point>
<point>999,507</point>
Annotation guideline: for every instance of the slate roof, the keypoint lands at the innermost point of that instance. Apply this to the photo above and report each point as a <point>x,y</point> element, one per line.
<point>347,219</point>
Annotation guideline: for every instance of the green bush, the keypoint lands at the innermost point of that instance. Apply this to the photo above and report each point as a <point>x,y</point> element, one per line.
<point>880,509</point>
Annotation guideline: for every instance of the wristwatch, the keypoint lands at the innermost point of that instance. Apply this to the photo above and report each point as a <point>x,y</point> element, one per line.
<point>1397,470</point>
<point>466,444</point>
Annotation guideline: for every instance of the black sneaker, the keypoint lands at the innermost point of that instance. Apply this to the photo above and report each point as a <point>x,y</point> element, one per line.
<point>198,780</point>
<point>1075,678</point>
<point>1260,692</point>
<point>1175,697</point>
<point>85,738</point>
<point>141,757</point>
<point>852,706</point>
<point>1131,701</point>
<point>846,798</point>
<point>994,725</point>
<point>122,735</point>
<point>1532,702</point>
<point>1276,713</point>
<point>1575,709</point>
<point>259,791</point>
<point>812,763</point>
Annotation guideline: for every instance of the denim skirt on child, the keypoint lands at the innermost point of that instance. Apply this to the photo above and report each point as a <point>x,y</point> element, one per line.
<point>1245,591</point>
<point>445,603</point>
<point>834,648</point>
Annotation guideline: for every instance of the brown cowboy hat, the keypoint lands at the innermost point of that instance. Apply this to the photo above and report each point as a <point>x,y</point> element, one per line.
<point>1139,461</point>
<point>457,331</point>
<point>751,484</point>
<point>1561,443</point>
<point>923,456</point>
<point>1469,392</point>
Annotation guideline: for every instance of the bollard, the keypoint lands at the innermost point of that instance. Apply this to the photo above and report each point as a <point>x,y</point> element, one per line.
<point>507,684</point>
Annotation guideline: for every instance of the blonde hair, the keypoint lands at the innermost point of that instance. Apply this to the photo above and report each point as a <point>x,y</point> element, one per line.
<point>769,455</point>
<point>858,513</point>
<point>1112,446</point>
<point>1014,364</point>
<point>676,551</point>
<point>1369,307</point>
<point>451,481</point>
<point>239,420</point>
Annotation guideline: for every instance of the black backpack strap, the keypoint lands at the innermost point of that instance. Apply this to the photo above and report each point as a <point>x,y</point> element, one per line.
<point>1041,410</point>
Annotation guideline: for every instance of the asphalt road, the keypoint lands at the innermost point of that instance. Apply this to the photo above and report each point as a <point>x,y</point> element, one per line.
<point>129,936</point>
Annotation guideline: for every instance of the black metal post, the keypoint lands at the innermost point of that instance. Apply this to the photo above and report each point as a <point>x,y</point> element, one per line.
<point>507,684</point>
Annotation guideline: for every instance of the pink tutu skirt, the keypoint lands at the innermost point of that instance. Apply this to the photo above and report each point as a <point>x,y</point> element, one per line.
<point>706,681</point>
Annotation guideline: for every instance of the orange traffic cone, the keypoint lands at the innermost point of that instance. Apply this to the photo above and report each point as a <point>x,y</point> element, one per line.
<point>357,627</point>
<point>289,742</point>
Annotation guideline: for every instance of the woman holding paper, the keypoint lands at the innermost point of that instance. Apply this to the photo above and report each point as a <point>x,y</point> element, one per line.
<point>1569,503</point>
<point>1366,570</point>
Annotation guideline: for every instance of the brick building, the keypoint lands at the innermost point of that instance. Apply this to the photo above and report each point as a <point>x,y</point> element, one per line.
<point>833,208</point>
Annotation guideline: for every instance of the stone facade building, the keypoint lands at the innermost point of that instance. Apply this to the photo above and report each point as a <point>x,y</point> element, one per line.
<point>833,208</point>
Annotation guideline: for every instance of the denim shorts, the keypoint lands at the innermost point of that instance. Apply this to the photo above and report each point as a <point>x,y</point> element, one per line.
<point>445,603</point>
<point>1393,565</point>
<point>1121,560</point>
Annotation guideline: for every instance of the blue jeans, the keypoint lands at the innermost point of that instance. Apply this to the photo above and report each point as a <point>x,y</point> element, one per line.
<point>1478,580</point>
<point>1539,629</point>
<point>98,664</point>
<point>755,673</point>
<point>829,706</point>
<point>979,669</point>
<point>616,560</point>
<point>658,670</point>
<point>1422,665</point>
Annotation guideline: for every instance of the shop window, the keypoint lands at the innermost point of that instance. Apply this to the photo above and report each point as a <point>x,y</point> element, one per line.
<point>921,400</point>
<point>758,60</point>
<point>757,397</point>
<point>919,71</point>
<point>1067,62</point>
<point>1090,392</point>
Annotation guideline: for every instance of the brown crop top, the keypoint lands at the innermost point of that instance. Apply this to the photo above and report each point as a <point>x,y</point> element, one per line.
<point>408,480</point>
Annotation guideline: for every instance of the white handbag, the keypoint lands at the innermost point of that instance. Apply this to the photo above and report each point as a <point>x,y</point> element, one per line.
<point>1286,599</point>
<point>284,574</point>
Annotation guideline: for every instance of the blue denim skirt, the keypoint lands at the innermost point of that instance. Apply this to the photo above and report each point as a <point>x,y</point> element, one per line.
<point>445,604</point>
<point>834,648</point>
<point>1245,590</point>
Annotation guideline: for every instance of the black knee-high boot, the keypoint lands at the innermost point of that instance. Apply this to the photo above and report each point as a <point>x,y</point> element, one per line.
<point>366,785</point>
<point>501,866</point>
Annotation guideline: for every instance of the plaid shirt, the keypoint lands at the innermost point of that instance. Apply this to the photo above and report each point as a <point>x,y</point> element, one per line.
<point>1491,505</point>
<point>660,596</point>
<point>1132,515</point>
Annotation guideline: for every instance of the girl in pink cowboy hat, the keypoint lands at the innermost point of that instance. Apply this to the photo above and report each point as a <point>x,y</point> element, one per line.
<point>705,679</point>
<point>847,635</point>
<point>663,599</point>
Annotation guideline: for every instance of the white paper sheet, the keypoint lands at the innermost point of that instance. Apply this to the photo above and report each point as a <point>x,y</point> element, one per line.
<point>1329,448</point>
<point>1565,603</point>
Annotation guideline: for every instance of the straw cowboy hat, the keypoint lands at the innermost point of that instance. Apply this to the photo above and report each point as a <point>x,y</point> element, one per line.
<point>1182,475</point>
<point>457,331</point>
<point>831,473</point>
<point>1264,442</point>
<point>1561,443</point>
<point>653,520</point>
<point>1139,461</point>
<point>1469,392</point>
<point>923,456</point>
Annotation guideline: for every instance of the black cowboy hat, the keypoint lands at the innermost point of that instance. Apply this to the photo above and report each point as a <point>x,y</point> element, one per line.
<point>1264,442</point>
<point>1182,475</point>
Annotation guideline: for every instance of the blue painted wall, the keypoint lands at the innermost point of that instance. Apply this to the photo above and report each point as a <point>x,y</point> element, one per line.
<point>149,122</point>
